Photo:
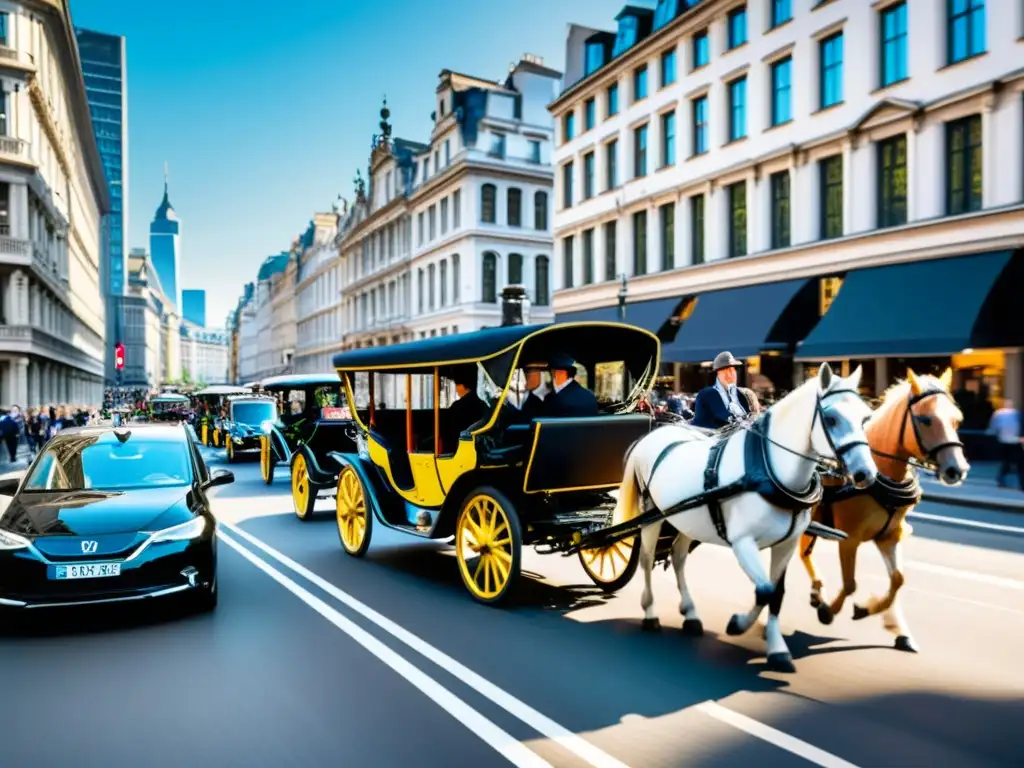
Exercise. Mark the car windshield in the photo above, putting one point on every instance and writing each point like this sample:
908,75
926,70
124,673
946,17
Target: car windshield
254,414
104,463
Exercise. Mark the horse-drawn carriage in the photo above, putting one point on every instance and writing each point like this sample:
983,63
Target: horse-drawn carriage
168,407
501,482
313,419
244,427
209,402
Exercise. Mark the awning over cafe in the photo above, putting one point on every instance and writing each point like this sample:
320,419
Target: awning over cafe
652,315
920,308
745,321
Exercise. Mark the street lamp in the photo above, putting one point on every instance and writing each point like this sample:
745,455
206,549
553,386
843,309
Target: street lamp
623,292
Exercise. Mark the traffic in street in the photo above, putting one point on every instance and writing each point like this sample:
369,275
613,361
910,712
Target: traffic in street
316,658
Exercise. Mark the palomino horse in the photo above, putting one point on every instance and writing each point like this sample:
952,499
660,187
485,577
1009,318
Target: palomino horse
759,483
917,421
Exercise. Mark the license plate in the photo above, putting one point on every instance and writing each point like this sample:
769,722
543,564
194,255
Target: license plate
87,571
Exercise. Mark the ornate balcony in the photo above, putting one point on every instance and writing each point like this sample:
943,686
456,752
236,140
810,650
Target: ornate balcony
14,150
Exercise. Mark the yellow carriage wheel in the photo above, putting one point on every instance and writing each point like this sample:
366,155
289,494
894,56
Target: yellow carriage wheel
303,495
266,460
611,568
488,545
230,445
355,521
216,438
206,434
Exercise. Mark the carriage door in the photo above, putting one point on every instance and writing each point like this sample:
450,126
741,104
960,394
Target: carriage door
422,439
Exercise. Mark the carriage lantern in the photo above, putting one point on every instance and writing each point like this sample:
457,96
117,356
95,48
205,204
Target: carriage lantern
514,305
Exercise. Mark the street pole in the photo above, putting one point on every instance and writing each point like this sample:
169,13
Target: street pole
623,292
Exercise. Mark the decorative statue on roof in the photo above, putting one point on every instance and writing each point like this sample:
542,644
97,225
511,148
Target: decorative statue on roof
360,186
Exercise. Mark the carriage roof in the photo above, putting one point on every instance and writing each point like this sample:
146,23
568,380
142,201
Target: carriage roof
299,381
170,398
220,389
584,340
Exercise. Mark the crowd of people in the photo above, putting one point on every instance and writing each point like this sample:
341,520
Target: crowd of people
35,426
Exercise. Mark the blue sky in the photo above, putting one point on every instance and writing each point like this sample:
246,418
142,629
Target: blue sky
264,111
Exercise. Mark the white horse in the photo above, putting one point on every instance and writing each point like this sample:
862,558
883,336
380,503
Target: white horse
821,420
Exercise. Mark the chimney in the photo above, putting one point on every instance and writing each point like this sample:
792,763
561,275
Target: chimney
515,307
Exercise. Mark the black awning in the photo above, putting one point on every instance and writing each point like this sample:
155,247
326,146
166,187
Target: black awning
746,321
652,315
933,307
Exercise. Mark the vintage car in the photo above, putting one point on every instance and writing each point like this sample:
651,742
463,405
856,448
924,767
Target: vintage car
504,480
248,418
313,418
209,402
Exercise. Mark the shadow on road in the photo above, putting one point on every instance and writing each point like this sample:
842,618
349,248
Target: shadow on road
93,620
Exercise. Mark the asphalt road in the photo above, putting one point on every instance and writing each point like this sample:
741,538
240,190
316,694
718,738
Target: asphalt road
314,658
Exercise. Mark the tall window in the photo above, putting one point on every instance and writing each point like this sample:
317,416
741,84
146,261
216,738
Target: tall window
431,290
782,11
456,279
4,28
443,285
542,296
640,151
515,269
515,206
567,185
737,27
588,175
697,228
611,164
831,50
963,165
612,95
431,218
456,209
610,265
738,109
966,35
667,214
780,209
737,219
893,23
444,227
420,285
700,125
588,256
4,102
567,258
421,233
568,126
831,197
668,67
640,243
488,194
589,114
640,83
701,50
782,91
892,181
668,139
540,210
489,279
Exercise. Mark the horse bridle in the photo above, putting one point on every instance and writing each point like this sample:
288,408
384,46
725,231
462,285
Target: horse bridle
930,461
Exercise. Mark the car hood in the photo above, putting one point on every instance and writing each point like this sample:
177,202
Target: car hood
93,513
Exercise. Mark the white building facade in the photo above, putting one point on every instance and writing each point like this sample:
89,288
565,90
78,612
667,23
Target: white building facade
709,147
318,296
204,354
53,196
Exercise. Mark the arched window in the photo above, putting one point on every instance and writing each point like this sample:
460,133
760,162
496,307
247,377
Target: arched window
515,207
540,210
488,195
515,269
490,278
456,279
541,292
430,284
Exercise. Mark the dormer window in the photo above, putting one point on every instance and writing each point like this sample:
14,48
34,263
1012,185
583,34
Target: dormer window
665,12
440,108
594,58
627,35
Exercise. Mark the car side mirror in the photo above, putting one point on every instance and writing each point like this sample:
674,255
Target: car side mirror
9,485
220,477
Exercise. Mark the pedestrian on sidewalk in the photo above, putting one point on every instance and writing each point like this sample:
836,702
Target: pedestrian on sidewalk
10,428
1005,425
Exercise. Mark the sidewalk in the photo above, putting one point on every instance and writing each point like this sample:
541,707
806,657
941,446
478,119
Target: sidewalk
979,490
22,462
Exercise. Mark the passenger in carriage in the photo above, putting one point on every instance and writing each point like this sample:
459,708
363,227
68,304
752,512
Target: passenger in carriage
464,412
532,406
723,402
569,398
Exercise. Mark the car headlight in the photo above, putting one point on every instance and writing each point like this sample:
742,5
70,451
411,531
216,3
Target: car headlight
10,540
193,529
267,426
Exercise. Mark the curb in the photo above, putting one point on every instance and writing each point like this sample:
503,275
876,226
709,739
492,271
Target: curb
983,502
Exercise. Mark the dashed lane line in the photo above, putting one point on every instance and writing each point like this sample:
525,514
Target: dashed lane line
502,742
946,520
519,709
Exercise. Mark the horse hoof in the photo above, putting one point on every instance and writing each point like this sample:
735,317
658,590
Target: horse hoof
734,627
824,614
693,628
650,625
781,662
859,612
815,601
904,643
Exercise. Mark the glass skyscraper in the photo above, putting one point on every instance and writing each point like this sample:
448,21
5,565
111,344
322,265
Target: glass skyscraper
104,67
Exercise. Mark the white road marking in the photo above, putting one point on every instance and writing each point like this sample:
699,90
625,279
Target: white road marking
967,523
504,743
776,738
519,709
956,573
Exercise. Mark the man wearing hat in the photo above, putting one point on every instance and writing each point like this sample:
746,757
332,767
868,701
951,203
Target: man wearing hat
568,397
724,402
532,406
464,412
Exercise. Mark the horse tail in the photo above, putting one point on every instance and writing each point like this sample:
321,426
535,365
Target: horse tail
628,505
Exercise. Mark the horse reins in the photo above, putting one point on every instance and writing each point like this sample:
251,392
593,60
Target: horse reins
929,463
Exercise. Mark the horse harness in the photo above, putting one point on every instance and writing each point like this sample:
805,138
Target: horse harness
931,453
